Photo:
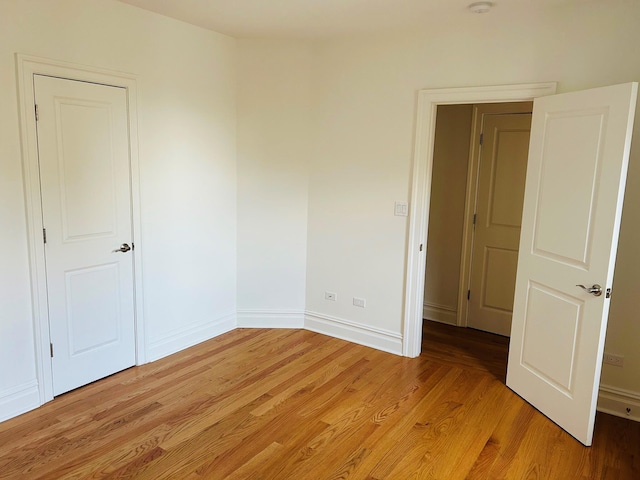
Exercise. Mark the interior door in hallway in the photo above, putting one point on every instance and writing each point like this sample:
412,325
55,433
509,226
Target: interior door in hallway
83,144
500,192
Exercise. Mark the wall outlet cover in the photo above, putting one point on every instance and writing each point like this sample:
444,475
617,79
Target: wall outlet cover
615,360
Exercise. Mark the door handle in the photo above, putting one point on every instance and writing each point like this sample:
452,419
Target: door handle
595,290
124,248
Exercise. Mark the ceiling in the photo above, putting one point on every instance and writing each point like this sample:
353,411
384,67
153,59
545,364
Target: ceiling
324,18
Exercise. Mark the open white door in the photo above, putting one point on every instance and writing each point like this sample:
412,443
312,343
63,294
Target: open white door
578,158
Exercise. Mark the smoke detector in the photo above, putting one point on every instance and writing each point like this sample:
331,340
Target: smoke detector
480,7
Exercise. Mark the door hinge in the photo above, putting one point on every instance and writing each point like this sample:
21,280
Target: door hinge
481,138
468,294
51,349
420,247
475,215
37,114
44,235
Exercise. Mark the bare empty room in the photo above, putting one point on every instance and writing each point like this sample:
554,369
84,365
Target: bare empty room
218,225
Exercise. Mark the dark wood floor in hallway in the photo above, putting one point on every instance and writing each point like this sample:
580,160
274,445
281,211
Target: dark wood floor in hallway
292,404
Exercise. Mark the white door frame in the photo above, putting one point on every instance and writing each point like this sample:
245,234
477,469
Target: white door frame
428,101
27,67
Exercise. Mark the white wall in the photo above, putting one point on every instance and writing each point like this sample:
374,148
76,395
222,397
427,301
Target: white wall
366,106
274,139
187,142
446,212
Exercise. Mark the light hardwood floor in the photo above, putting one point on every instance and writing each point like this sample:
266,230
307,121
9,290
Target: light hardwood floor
292,404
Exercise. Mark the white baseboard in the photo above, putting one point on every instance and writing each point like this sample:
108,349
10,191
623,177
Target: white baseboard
192,335
270,318
377,338
17,400
616,401
440,313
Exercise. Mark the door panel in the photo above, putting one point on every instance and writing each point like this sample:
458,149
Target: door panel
574,214
578,161
85,179
86,168
555,363
501,179
499,264
92,292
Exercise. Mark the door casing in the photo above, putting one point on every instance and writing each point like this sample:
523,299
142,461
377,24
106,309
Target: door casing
27,67
428,101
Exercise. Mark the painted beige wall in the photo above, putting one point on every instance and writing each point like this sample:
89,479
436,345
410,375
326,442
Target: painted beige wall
274,136
446,212
187,142
366,105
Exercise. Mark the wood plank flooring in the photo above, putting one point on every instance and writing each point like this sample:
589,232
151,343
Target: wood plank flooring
292,404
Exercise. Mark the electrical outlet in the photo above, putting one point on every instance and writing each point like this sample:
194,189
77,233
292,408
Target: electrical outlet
359,302
331,296
616,360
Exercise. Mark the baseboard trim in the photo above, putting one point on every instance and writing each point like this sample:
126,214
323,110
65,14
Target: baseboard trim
192,335
440,313
616,401
377,338
20,399
270,318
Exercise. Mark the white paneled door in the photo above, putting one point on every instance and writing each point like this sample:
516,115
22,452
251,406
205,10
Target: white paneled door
83,145
578,157
501,180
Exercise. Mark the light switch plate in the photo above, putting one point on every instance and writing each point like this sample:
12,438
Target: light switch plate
401,209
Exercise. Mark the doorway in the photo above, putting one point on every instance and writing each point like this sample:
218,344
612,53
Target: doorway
428,101
479,167
556,255
29,68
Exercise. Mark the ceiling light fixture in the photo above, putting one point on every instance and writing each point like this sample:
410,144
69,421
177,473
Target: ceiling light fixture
480,7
